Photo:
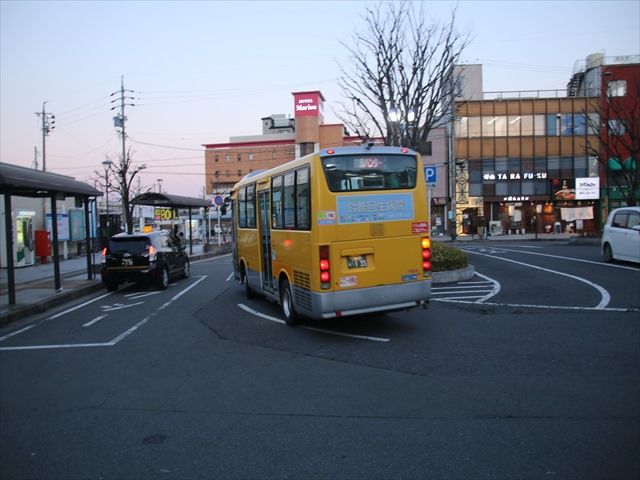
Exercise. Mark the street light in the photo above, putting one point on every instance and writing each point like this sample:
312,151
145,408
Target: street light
107,164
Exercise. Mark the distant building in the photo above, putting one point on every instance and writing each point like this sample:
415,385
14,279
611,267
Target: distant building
616,81
283,138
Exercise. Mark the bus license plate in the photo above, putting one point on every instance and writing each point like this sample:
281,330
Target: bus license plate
357,261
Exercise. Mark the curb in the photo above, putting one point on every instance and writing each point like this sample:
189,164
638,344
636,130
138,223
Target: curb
453,275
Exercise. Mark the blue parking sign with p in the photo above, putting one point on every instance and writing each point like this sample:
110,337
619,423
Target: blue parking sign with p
430,174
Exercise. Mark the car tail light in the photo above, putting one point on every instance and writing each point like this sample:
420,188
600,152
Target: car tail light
152,253
426,255
104,255
325,268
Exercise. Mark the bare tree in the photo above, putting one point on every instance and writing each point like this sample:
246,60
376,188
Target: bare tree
119,179
617,128
399,82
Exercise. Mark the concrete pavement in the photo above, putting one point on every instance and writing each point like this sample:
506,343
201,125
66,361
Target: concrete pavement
35,289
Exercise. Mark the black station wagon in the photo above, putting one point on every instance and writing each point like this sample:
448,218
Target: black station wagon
143,257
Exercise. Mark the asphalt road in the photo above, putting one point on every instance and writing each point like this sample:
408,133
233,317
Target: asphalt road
529,370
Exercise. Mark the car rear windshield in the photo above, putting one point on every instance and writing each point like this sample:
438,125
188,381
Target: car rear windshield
369,172
133,245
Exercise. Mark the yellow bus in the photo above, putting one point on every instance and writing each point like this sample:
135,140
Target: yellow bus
339,232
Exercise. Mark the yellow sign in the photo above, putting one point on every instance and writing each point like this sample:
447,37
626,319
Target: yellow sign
165,214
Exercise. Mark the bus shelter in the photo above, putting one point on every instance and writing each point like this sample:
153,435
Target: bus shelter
173,201
26,182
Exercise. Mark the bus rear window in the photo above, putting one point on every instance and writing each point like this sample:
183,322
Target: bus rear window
369,172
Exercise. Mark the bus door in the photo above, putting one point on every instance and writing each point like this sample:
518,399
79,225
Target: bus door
265,240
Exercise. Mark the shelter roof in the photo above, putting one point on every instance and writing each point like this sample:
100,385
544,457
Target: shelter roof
166,200
27,182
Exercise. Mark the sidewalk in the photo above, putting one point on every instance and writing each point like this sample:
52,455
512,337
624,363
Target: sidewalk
35,288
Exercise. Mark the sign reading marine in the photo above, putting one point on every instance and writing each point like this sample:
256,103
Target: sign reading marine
308,104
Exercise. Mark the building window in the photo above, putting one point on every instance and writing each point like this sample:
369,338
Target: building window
273,155
474,127
239,172
426,149
227,158
239,157
616,127
250,156
306,148
215,157
617,88
228,173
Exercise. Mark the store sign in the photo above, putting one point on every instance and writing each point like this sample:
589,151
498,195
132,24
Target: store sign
515,176
307,104
588,188
515,198
563,189
164,214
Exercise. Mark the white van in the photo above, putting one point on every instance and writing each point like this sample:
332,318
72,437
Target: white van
621,235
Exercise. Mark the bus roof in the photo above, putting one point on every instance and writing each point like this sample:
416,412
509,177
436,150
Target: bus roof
365,149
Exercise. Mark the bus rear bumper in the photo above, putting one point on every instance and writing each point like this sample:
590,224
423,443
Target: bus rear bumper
368,300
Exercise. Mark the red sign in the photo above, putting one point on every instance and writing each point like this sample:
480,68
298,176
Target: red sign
419,227
308,104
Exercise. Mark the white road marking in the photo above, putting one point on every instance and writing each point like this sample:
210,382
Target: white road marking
111,343
119,306
605,297
602,264
494,291
229,277
313,329
94,321
17,332
79,306
136,296
547,307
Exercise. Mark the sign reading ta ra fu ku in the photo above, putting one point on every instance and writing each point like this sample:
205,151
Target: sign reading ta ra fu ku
308,104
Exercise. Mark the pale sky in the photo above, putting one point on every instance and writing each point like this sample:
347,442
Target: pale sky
204,71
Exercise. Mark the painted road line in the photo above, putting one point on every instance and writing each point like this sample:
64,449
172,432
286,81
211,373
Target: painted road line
546,307
494,291
605,297
313,329
79,306
230,277
119,306
111,343
136,296
94,321
602,264
17,332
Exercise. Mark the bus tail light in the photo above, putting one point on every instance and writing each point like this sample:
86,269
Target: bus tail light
426,255
325,268
104,255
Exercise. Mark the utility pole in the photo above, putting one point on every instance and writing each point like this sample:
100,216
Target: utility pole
48,124
120,120
121,102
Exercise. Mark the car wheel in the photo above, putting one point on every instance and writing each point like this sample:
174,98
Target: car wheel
163,281
286,301
112,286
186,270
607,253
249,293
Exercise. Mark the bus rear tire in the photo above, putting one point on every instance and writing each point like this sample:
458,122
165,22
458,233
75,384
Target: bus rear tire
286,301
245,281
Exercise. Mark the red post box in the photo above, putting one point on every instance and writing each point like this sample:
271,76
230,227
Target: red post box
43,245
